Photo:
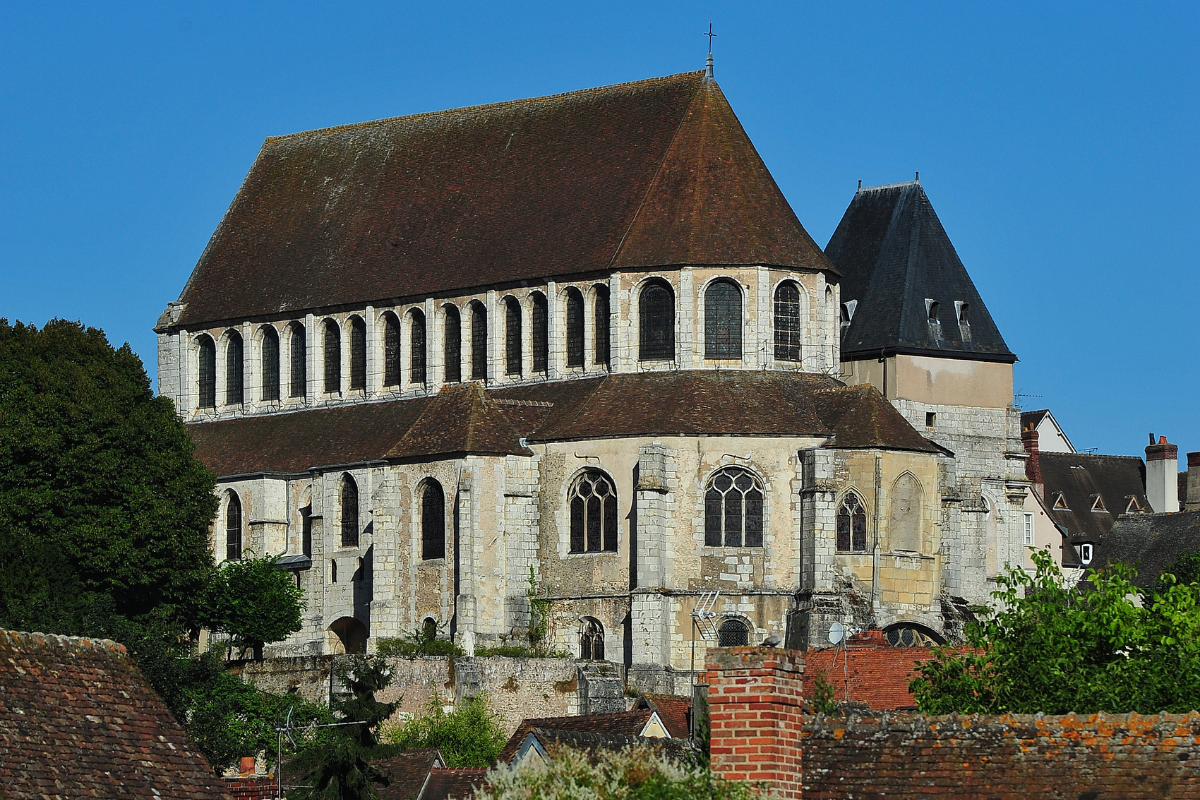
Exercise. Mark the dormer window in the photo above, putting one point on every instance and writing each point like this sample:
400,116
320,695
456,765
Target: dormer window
1060,502
932,307
1133,506
1085,554
1098,503
961,310
848,311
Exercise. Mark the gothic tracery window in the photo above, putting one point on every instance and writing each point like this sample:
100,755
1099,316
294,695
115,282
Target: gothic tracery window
574,328
851,525
358,354
479,342
270,364
723,320
540,320
233,527
512,336
433,520
333,357
298,359
391,350
733,509
452,344
416,344
600,328
787,322
349,512
206,368
593,505
656,323
233,370
591,639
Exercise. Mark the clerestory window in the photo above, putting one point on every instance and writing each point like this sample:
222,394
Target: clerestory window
206,368
656,323
723,320
787,322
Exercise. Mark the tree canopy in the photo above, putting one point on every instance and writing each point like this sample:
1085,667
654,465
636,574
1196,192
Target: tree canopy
469,736
101,501
253,602
1050,647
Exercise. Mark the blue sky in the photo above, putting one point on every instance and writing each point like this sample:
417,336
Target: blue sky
1058,145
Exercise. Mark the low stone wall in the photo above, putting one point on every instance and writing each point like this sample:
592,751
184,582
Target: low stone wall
308,676
521,688
1013,757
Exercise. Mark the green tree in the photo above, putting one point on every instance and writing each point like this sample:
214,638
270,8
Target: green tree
339,768
1054,648
633,774
1186,569
100,497
254,602
469,736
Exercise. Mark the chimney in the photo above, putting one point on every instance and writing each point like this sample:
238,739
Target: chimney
1033,467
1192,502
1162,475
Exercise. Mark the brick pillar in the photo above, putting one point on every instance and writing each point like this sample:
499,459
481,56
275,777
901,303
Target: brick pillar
755,714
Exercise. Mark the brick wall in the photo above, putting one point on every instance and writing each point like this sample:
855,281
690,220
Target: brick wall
759,734
754,701
253,787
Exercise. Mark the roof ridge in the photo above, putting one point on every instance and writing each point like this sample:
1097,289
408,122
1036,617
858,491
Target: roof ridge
39,639
477,107
882,186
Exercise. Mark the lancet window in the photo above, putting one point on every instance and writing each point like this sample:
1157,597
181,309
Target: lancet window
298,359
270,364
479,342
433,520
591,639
574,328
452,344
851,525
787,322
233,370
593,502
333,357
349,512
512,336
233,527
391,350
601,327
358,354
723,320
733,509
656,323
416,344
540,319
206,363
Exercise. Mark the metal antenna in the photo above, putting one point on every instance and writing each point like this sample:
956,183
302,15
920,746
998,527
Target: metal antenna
708,66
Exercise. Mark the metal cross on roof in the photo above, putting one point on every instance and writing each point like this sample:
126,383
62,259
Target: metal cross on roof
710,36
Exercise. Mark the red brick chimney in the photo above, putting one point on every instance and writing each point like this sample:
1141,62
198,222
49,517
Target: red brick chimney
755,712
1033,466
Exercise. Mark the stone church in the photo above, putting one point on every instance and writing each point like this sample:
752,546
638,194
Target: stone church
581,347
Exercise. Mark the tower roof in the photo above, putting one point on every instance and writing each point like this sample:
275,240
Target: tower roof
653,173
896,260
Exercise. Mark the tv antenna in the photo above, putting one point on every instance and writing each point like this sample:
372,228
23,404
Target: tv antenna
839,635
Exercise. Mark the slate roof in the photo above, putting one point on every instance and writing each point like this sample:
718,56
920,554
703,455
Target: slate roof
453,783
408,772
597,744
653,173
491,421
1149,542
1081,478
77,719
893,255
619,723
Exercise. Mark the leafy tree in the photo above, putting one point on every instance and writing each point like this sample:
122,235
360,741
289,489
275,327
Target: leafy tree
339,768
469,736
1053,648
253,602
1186,569
100,497
633,774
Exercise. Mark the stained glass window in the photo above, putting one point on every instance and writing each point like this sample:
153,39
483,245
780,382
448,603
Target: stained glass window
270,364
574,328
206,362
233,370
416,344
433,520
479,342
723,320
601,326
512,336
593,513
852,525
541,332
358,353
733,509
349,512
233,528
787,322
333,357
656,318
298,358
391,350
452,345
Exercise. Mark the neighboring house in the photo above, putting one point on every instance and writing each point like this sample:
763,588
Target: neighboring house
77,719
584,340
599,733
423,775
1051,438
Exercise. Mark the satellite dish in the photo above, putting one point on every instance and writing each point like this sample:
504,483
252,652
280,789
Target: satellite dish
837,632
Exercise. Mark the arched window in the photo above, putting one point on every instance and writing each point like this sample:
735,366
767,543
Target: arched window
270,364
452,344
723,320
851,525
416,345
233,527
733,633
656,323
433,520
541,332
733,509
600,329
512,336
206,363
911,635
333,570
574,328
391,350
787,322
298,358
479,342
306,528
333,357
593,503
358,354
591,639
233,370
349,512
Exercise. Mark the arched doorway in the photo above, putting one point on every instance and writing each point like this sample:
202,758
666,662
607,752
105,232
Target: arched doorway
348,636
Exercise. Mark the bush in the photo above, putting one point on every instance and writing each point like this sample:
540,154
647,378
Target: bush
633,774
423,641
469,736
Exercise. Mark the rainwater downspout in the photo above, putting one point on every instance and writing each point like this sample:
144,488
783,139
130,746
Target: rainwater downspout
875,547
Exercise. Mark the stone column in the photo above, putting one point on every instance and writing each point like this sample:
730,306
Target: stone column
755,713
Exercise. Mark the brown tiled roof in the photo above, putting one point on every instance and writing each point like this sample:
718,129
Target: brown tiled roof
673,710
461,419
473,420
78,720
454,783
408,772
656,172
623,723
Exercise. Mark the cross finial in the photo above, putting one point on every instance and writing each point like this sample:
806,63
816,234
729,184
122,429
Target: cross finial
708,67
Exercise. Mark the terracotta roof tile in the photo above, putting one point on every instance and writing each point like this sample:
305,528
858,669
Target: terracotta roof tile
408,772
673,710
454,783
653,172
861,417
461,419
78,720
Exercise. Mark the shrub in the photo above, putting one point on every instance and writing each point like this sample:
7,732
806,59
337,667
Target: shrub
423,641
469,736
